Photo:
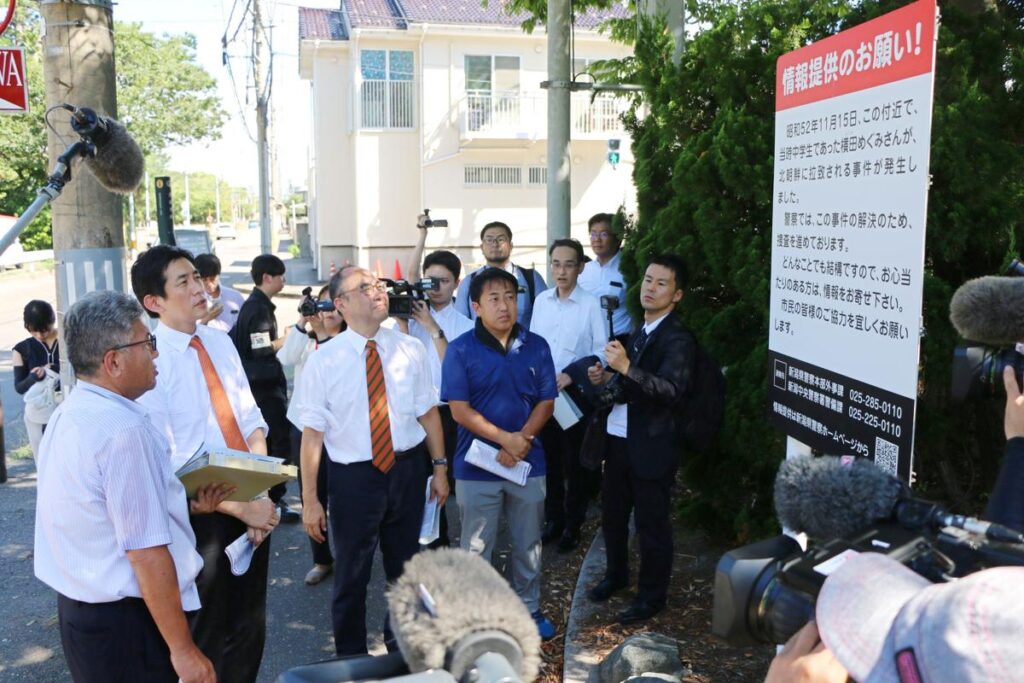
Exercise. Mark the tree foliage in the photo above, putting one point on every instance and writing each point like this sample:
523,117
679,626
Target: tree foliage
164,98
704,155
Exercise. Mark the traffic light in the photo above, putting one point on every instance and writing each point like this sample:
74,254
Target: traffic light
613,152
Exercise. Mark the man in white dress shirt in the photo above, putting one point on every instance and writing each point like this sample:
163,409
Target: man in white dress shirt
223,302
434,323
202,398
112,532
601,276
369,397
569,318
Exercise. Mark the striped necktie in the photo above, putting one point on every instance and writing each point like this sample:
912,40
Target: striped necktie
380,424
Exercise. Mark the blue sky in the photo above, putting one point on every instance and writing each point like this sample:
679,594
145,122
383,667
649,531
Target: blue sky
234,155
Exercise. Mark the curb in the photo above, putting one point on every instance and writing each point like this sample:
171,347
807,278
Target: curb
578,662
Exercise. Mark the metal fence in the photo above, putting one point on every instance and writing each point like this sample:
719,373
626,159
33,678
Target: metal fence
388,104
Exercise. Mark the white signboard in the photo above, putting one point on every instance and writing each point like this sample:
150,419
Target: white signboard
852,141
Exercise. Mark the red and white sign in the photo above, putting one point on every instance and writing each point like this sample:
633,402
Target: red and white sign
13,81
849,205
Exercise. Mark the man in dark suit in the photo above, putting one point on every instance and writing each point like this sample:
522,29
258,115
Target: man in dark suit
643,439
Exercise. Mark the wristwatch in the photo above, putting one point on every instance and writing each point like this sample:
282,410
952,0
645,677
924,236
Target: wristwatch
439,334
440,462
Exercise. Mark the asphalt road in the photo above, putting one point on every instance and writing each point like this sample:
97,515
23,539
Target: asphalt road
298,618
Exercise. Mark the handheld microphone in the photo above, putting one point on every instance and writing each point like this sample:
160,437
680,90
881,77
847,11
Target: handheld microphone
450,607
989,310
118,163
834,497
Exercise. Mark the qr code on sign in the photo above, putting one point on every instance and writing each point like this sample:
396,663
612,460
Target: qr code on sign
886,455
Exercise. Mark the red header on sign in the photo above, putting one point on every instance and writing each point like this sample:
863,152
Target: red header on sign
894,46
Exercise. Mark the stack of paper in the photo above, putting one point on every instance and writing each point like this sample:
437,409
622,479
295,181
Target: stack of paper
485,457
430,527
249,473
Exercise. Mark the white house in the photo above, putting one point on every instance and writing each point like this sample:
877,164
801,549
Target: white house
438,104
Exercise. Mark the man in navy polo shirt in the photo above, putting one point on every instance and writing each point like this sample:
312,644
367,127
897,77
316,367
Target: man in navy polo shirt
500,383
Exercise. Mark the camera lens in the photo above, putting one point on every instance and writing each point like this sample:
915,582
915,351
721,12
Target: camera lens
978,370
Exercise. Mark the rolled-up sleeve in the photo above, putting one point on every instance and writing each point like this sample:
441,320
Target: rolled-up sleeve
134,481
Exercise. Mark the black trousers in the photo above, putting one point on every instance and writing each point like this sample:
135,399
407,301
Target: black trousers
321,551
279,444
570,486
231,627
450,430
623,492
369,508
115,642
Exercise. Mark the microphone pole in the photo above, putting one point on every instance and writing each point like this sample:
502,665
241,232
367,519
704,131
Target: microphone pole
60,176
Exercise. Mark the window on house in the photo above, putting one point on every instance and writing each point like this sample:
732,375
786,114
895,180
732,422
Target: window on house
388,88
492,91
491,175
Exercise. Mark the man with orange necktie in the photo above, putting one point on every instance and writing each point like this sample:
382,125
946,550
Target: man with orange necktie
202,398
370,398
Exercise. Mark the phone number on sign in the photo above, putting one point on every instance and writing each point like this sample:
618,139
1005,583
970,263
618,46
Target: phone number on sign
876,404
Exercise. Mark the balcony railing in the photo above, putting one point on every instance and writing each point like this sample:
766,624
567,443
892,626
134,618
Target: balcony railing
516,115
388,104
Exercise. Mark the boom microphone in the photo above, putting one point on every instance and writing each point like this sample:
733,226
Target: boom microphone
450,607
118,164
989,310
835,497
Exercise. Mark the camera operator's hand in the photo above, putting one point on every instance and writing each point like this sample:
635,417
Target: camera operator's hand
598,375
421,221
421,314
804,659
618,359
1013,422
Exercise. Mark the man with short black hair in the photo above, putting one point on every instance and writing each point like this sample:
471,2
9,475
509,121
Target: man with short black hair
569,319
496,244
642,449
255,337
602,276
202,398
500,383
225,302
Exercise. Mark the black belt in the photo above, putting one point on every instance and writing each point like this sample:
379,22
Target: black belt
418,449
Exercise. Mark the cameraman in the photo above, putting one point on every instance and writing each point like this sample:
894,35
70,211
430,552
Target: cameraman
880,621
1006,506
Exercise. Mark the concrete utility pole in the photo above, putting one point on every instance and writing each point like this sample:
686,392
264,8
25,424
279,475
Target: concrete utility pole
674,14
78,67
559,85
261,59
216,194
186,208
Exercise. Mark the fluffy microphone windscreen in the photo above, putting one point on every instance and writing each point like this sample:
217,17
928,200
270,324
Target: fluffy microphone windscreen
989,310
470,596
118,165
832,497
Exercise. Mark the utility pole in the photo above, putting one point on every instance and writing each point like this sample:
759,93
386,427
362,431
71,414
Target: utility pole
186,208
260,63
673,12
145,193
88,235
216,194
559,90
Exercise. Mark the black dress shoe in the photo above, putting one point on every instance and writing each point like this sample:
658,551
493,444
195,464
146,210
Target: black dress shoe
604,590
552,531
639,611
289,516
569,540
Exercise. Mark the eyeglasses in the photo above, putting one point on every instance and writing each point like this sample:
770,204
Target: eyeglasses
150,339
604,234
367,288
496,240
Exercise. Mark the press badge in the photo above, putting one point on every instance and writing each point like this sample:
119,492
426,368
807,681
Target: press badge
259,340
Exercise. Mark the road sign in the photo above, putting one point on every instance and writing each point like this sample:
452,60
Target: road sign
13,81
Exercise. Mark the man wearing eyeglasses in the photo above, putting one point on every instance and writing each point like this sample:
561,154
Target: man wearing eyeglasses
369,398
112,533
601,276
496,244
